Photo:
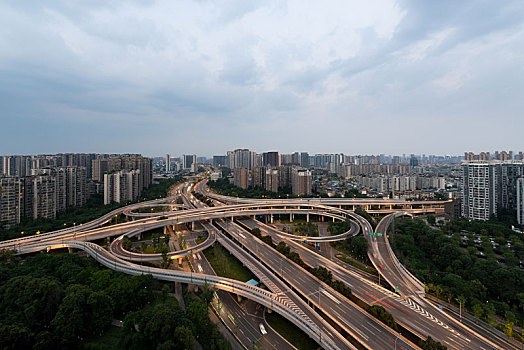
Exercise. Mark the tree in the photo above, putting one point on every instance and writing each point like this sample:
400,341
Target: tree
184,338
430,344
164,292
383,315
256,232
359,247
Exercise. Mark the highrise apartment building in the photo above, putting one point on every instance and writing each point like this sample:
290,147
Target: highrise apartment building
271,180
241,177
102,166
121,186
301,182
271,159
11,203
520,200
168,163
258,175
488,186
241,158
43,192
304,160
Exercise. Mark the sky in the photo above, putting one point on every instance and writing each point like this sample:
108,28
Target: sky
204,77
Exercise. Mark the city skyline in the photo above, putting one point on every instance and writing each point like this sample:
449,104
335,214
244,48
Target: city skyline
361,77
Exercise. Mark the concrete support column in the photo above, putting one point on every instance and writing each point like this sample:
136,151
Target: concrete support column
271,218
69,250
307,217
165,230
239,298
192,226
291,217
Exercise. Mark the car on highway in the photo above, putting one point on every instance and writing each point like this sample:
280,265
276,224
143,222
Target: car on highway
262,329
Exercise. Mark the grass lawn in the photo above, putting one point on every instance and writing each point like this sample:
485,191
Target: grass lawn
226,265
109,340
290,332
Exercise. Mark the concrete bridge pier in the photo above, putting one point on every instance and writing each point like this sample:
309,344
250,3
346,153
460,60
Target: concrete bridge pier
239,298
69,250
307,217
271,218
192,226
291,217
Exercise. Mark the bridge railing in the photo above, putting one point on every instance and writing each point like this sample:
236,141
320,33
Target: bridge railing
261,296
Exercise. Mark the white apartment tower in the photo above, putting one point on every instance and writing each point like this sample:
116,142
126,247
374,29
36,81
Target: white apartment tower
121,186
520,200
479,195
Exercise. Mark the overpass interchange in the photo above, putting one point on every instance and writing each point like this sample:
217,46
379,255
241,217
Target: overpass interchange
65,238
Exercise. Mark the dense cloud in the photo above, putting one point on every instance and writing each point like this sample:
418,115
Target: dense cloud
204,77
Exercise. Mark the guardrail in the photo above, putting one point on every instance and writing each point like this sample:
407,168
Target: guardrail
407,273
81,227
138,257
261,296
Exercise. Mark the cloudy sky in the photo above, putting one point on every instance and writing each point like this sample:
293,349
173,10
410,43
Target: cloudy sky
358,77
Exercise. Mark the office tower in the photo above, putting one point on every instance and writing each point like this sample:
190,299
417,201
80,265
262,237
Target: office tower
271,159
301,183
121,186
188,160
168,163
271,180
241,177
10,201
219,161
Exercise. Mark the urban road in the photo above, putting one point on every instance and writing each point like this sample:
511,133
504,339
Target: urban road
410,308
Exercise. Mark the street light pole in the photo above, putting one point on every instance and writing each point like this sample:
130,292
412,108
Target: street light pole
398,335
